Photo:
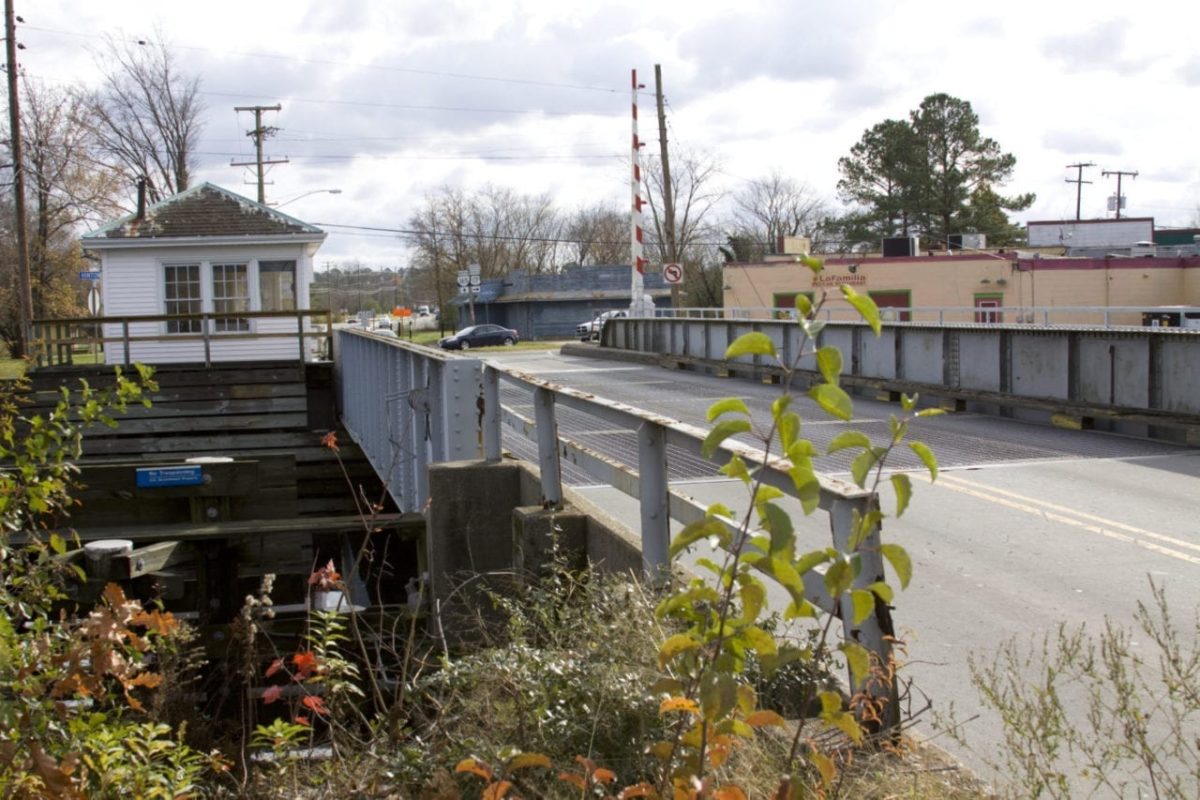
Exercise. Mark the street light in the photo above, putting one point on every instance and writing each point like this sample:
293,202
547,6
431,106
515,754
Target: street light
306,194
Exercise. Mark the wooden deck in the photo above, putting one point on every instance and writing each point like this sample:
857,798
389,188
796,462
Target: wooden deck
271,497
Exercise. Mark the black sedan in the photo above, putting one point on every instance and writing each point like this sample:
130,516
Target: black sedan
479,336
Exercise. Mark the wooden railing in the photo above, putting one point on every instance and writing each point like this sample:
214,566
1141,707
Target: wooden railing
74,340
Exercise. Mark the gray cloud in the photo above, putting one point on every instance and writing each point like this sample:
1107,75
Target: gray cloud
1076,143
1190,72
1098,47
788,42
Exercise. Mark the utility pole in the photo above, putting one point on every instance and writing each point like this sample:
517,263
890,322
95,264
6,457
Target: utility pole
24,290
259,133
1079,182
1118,173
668,187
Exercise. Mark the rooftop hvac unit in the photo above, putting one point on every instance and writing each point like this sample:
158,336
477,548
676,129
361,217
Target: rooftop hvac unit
966,241
901,246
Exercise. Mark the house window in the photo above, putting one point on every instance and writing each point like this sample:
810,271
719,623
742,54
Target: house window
181,291
277,285
231,293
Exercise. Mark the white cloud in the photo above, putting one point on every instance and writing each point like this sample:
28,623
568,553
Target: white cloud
389,100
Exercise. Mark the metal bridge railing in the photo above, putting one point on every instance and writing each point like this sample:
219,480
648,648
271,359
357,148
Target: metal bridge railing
1037,316
409,406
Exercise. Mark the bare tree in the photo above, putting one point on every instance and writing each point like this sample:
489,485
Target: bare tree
65,188
775,205
695,193
147,116
597,235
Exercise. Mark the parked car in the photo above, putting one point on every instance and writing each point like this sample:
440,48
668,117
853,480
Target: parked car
479,336
591,330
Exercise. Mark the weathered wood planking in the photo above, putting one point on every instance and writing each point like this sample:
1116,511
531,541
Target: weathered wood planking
262,488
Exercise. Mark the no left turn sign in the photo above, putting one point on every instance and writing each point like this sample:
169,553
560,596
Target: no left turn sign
672,273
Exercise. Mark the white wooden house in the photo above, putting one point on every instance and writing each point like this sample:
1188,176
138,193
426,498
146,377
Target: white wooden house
205,250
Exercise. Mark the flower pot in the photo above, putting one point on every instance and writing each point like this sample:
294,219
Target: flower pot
328,600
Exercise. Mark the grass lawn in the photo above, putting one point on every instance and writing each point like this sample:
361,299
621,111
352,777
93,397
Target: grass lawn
11,368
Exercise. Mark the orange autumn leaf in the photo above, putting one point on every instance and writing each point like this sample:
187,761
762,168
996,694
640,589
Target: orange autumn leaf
574,779
315,704
271,694
161,622
642,789
475,767
330,440
602,775
305,663
148,679
496,791
275,666
300,719
766,717
678,704
729,793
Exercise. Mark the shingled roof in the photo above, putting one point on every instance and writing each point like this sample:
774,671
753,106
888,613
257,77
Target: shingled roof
205,210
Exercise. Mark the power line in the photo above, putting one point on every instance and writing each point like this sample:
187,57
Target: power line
407,106
370,104
334,63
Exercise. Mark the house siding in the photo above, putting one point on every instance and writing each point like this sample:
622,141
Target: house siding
132,285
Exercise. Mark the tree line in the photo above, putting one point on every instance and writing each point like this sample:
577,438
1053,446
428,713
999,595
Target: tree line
931,174
84,150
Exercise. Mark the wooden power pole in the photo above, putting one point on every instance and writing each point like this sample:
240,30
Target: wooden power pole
1079,182
668,187
24,289
259,132
1119,173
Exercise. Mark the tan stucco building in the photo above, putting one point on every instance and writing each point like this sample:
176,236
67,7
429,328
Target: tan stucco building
1023,285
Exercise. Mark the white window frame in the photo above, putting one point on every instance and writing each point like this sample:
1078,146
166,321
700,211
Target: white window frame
229,322
183,327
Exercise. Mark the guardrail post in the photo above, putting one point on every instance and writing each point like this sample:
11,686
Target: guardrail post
547,434
491,414
655,506
875,632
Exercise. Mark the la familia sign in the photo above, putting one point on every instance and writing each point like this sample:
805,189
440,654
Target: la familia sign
827,281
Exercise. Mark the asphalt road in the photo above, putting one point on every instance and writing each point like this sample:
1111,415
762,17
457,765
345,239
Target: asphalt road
1028,526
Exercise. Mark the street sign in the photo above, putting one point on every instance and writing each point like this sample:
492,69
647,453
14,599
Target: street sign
475,289
165,477
474,269
475,281
464,277
464,289
672,273
90,275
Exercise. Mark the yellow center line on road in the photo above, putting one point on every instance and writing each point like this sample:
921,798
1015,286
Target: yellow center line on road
1077,519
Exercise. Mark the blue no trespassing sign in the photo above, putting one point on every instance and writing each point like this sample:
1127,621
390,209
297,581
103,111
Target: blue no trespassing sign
92,275
162,477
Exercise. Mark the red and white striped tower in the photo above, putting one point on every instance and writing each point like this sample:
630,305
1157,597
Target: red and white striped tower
635,217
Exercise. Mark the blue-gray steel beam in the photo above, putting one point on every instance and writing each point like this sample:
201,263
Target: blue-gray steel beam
655,510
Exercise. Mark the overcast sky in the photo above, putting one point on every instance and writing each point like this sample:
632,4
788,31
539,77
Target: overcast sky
390,100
